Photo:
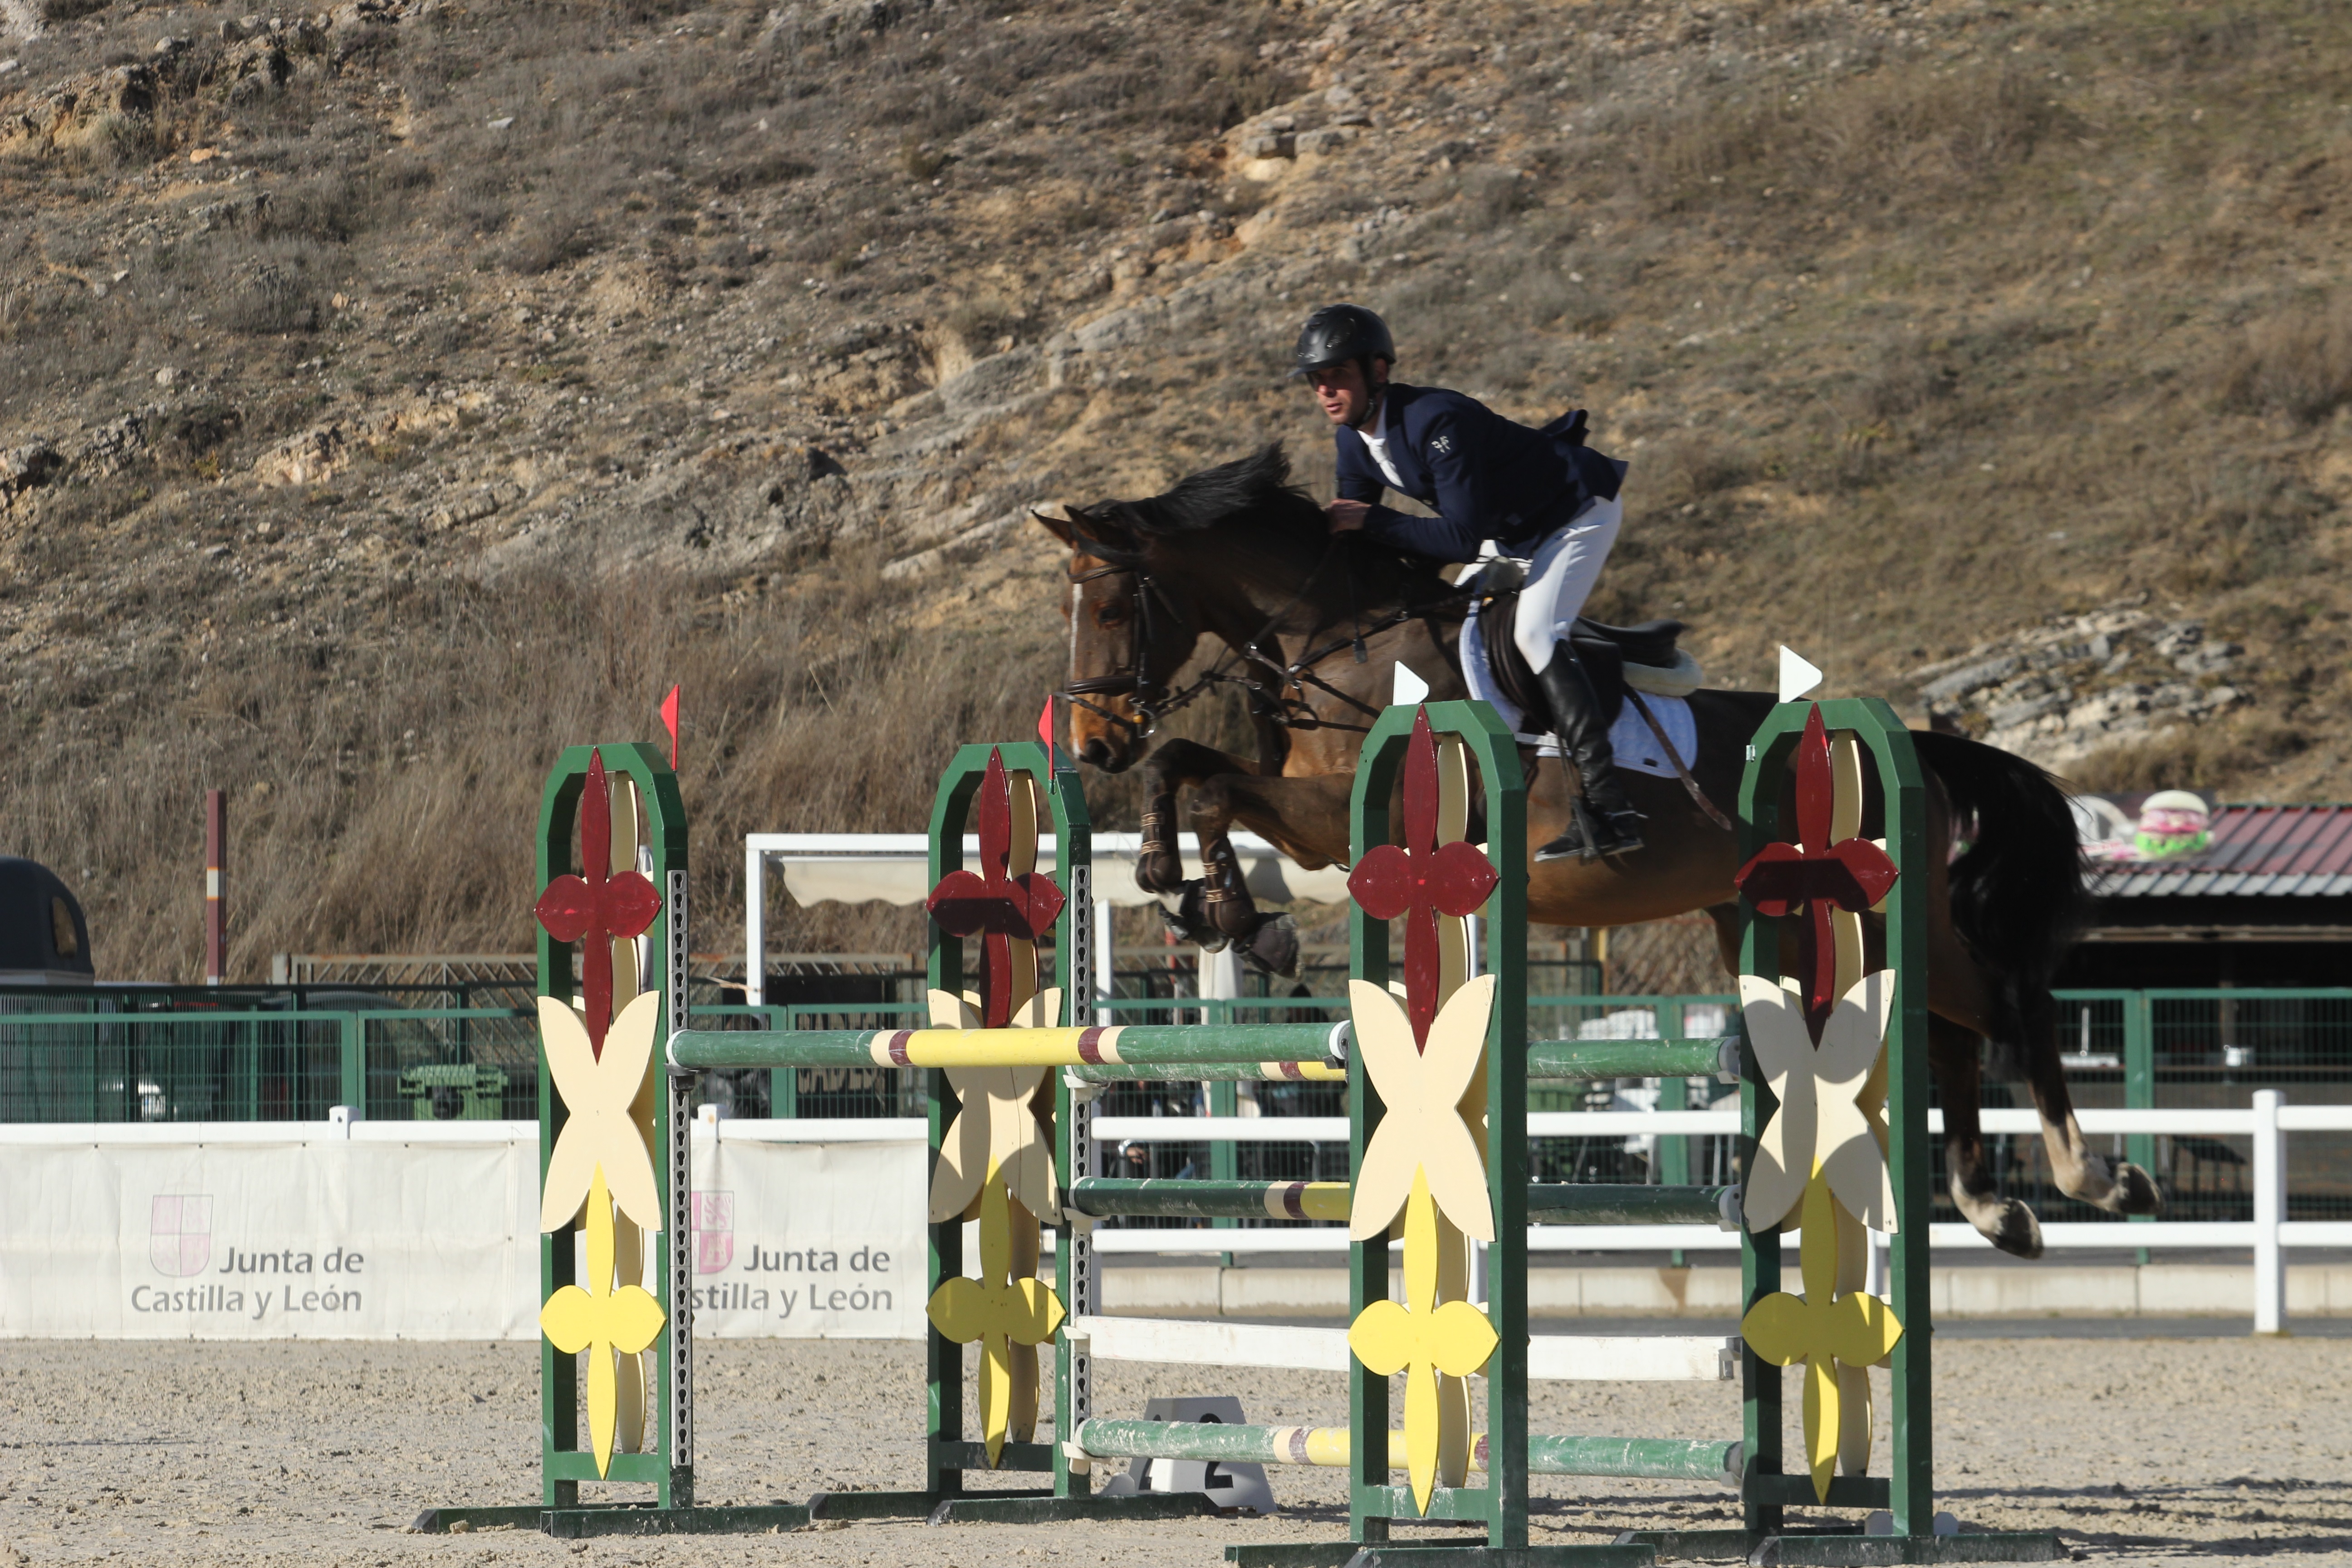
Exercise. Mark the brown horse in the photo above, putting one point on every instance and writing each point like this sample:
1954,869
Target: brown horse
1313,628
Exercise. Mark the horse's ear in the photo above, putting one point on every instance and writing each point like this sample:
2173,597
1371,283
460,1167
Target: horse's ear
1055,519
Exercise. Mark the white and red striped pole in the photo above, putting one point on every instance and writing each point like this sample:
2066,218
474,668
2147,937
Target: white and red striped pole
215,888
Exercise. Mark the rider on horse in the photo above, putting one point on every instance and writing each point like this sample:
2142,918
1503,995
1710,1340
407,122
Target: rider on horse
1540,494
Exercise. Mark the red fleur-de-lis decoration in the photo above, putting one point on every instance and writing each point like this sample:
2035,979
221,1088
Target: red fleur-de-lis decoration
1420,881
599,907
1815,875
992,902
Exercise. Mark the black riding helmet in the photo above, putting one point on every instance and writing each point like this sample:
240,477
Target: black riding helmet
1335,334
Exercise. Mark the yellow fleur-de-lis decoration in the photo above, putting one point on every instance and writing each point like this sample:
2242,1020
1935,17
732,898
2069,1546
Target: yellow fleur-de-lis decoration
1422,1339
1822,1329
602,1321
601,1138
1819,1126
1005,1311
1421,1139
995,1131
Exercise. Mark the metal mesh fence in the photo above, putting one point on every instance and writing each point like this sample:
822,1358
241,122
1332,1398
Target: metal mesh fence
227,1065
289,1053
2188,1050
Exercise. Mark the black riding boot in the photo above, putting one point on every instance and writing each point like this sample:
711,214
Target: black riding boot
1604,823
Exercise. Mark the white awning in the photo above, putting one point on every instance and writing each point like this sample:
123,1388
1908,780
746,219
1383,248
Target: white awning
893,868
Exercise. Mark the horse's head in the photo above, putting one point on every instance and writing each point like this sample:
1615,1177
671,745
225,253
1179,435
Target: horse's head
1231,550
1131,632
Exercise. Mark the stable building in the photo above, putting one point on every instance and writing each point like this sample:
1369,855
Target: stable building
2264,901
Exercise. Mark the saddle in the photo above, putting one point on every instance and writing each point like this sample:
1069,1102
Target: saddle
1644,657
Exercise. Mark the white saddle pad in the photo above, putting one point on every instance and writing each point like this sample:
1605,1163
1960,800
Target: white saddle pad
1636,747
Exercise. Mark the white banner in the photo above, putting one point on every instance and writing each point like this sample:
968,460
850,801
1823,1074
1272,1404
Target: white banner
394,1231
311,1237
808,1240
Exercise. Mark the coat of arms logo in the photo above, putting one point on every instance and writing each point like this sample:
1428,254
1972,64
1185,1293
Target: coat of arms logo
714,1231
180,1233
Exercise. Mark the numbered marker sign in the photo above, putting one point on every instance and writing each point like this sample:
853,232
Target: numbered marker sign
1226,1484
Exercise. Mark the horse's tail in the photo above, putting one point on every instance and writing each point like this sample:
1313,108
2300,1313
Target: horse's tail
2019,897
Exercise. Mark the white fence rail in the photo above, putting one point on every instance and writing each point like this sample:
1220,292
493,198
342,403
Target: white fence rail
2267,1121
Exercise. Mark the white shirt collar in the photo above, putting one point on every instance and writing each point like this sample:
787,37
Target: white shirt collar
1376,442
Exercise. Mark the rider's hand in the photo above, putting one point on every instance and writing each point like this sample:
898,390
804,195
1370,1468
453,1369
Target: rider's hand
1348,516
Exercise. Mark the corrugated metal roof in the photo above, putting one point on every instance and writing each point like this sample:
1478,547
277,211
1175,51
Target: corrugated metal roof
2257,851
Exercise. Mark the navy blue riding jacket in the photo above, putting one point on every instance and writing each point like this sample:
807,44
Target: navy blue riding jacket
1485,475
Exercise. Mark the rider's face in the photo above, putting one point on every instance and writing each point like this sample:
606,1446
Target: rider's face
1342,392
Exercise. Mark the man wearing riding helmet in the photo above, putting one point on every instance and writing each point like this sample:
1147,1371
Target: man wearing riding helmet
1540,494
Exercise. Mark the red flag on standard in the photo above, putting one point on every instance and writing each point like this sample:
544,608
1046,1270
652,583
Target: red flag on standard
669,720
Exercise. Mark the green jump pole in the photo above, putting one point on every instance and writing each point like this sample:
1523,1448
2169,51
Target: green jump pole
1555,1059
1548,1061
1101,1197
1551,1203
1213,1072
1635,1458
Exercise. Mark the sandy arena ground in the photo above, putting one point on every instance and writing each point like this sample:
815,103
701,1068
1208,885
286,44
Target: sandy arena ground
2137,1450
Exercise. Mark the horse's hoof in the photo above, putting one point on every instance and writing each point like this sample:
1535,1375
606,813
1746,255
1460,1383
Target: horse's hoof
1187,922
1234,913
2137,1192
1273,948
2016,1231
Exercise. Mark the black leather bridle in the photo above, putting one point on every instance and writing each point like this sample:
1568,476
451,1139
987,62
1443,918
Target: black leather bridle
1137,681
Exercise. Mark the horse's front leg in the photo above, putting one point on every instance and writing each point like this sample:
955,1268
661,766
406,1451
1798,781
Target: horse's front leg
1306,819
1172,764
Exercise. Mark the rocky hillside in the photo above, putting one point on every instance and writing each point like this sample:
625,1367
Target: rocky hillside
2081,687
390,394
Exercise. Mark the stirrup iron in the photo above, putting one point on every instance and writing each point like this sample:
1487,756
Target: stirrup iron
1584,841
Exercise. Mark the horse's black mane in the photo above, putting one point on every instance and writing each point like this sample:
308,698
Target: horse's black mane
1258,487
1259,484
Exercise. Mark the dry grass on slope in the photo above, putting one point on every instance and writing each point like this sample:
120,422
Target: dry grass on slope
473,274
1978,315
384,801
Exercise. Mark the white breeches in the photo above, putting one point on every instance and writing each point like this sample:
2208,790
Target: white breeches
1560,578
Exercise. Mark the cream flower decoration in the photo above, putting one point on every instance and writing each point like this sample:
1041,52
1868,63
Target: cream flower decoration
1421,1129
1817,1126
598,1129
995,1130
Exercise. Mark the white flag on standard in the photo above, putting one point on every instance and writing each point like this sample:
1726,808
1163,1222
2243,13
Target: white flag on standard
1797,674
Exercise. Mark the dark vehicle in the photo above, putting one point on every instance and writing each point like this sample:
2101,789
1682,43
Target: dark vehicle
44,941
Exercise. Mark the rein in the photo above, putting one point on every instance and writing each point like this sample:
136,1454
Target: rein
1270,703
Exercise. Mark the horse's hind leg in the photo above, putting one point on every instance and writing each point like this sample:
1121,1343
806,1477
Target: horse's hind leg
1726,917
2007,1222
2112,1185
